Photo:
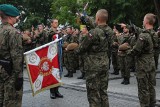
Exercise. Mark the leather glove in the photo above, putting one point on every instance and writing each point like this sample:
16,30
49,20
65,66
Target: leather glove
18,83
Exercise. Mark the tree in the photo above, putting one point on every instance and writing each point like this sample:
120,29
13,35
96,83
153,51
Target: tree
122,10
65,11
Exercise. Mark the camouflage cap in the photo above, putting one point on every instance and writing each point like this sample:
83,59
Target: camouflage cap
9,10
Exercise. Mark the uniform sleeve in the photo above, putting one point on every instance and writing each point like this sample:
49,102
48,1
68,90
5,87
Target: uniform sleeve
137,49
155,40
86,43
110,37
50,35
16,51
74,38
91,23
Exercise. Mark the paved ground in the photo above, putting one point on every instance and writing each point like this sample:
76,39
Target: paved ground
74,91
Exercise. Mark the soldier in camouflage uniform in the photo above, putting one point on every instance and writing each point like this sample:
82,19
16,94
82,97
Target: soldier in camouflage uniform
11,58
108,33
42,36
132,41
145,64
54,92
95,46
69,56
114,50
82,36
158,48
124,59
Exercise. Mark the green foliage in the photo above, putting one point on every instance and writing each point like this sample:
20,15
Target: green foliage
65,11
38,11
122,10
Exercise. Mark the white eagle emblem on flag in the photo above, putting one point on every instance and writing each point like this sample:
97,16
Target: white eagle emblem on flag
43,68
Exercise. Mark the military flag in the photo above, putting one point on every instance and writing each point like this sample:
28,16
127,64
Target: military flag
43,67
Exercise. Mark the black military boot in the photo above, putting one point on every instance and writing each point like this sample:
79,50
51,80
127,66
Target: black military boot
52,96
126,82
74,71
52,93
82,76
123,81
132,69
66,74
70,74
116,72
57,94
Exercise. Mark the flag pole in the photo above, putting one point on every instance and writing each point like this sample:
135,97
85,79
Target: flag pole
43,46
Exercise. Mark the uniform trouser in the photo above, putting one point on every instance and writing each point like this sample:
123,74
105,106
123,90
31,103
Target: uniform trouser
146,90
69,61
124,66
81,64
115,61
19,95
53,90
156,57
131,62
7,89
97,89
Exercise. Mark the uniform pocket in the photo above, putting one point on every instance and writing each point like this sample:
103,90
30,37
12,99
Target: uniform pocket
3,74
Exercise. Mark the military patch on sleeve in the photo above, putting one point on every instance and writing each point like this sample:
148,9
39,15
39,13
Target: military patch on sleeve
90,35
141,39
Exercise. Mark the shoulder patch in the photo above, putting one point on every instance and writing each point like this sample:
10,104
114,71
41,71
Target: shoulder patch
90,35
141,39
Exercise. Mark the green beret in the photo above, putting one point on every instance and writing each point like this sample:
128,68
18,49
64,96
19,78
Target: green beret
9,10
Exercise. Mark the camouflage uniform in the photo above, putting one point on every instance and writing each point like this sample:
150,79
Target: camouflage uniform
95,45
55,90
10,49
69,57
51,32
81,57
124,60
132,42
145,67
109,35
115,55
42,38
156,47
158,50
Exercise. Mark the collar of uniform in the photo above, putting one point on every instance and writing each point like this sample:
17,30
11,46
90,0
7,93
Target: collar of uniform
102,25
6,23
147,30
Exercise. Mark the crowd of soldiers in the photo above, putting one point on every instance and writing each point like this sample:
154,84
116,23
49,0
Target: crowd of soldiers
92,51
41,35
120,46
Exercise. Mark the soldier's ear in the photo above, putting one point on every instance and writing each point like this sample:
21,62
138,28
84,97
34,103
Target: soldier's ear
98,19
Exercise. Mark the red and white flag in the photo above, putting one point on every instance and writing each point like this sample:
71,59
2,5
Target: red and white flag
43,68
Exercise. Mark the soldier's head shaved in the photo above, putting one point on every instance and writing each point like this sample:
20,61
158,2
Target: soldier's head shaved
151,18
102,15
